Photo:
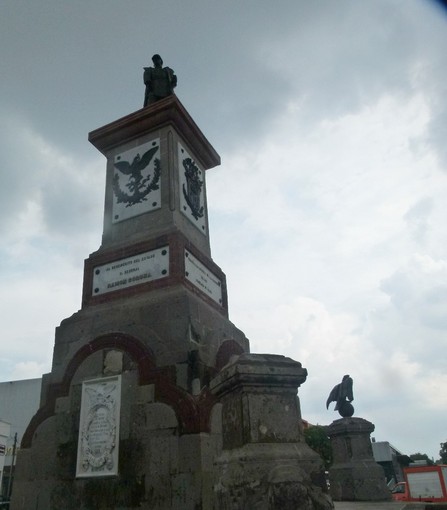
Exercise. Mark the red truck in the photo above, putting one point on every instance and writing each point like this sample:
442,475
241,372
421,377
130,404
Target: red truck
422,483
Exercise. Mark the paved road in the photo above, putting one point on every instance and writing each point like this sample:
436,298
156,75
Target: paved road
357,505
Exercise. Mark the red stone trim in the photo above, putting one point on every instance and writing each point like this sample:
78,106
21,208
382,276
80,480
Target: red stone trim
177,243
168,111
193,413
226,350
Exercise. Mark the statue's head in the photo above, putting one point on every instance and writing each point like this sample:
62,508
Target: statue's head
157,60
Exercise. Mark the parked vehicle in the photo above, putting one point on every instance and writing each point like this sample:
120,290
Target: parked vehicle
422,483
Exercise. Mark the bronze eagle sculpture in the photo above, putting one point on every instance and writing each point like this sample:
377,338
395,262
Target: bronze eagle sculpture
343,396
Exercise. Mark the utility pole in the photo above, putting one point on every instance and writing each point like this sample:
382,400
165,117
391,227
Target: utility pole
11,469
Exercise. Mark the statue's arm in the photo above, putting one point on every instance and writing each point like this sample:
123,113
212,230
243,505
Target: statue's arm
147,75
172,77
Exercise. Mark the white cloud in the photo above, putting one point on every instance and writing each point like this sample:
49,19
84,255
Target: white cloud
28,370
343,224
419,292
328,213
53,196
51,220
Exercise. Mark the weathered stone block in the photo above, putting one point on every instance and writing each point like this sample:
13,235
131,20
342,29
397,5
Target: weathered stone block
354,475
160,417
145,394
265,463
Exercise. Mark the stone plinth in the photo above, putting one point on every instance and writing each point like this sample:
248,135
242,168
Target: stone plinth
265,462
354,475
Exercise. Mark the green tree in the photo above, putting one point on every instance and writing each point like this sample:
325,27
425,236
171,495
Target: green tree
318,440
443,453
421,456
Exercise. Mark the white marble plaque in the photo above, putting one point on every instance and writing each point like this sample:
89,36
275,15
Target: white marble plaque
192,189
203,278
123,273
136,181
98,442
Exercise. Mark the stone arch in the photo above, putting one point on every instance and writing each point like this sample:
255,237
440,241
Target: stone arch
226,350
193,412
142,355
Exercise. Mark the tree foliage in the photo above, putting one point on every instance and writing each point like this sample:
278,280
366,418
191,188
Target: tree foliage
443,453
422,456
318,440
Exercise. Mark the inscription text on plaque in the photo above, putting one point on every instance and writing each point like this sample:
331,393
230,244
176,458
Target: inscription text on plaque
130,271
200,276
98,441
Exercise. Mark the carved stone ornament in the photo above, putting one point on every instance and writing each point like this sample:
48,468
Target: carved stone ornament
192,200
136,181
193,188
99,427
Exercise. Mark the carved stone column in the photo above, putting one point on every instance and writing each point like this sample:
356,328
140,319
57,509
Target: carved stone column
354,475
265,462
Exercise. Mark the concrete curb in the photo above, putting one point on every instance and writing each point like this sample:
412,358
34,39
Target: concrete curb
387,505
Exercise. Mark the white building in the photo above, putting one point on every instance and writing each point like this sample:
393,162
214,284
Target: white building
5,432
19,401
391,459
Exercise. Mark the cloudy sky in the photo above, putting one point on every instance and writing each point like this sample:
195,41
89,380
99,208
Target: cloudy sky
328,213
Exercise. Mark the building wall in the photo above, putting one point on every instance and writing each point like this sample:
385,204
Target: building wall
391,459
19,401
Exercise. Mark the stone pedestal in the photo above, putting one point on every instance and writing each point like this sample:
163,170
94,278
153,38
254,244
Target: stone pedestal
354,475
265,462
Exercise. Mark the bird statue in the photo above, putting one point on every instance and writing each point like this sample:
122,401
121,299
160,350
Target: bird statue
343,396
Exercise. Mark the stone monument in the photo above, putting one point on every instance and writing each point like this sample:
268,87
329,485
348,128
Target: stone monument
153,400
354,474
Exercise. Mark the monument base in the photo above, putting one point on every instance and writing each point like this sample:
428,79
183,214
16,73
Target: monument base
265,462
271,477
354,475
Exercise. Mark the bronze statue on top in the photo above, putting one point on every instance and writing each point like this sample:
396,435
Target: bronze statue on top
160,81
343,396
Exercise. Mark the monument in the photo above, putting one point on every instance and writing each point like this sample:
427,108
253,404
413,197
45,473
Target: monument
354,474
154,400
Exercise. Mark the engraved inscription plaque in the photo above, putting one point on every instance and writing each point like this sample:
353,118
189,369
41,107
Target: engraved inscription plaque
123,273
203,278
98,441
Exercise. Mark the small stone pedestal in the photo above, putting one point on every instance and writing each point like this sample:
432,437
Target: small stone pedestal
354,475
265,463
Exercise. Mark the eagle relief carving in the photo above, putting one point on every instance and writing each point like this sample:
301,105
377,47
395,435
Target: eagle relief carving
136,181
